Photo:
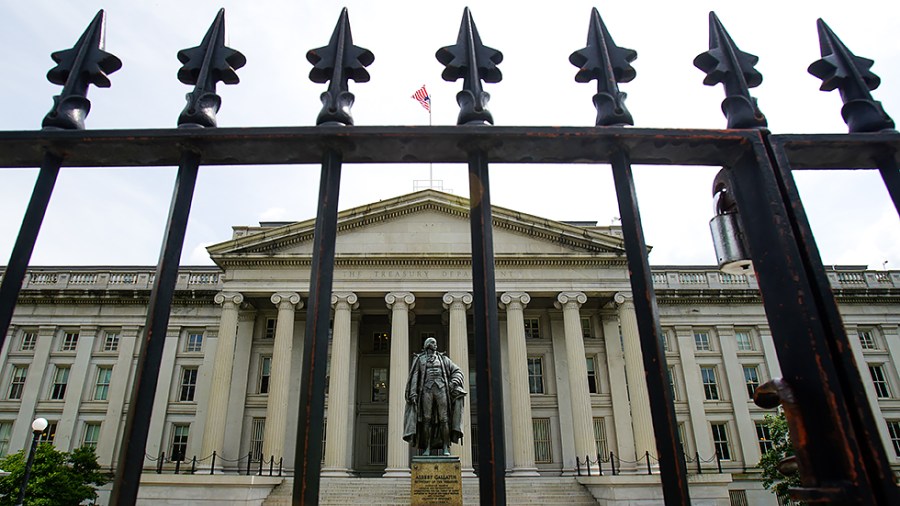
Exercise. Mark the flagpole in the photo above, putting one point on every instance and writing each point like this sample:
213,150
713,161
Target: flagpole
430,164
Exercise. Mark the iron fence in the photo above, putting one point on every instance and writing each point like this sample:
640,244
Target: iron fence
840,459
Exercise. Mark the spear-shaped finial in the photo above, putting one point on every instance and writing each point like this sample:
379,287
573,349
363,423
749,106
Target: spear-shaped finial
472,61
725,63
77,68
609,64
338,62
840,69
204,66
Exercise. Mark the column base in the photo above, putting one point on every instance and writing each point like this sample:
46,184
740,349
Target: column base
468,472
520,472
335,472
396,472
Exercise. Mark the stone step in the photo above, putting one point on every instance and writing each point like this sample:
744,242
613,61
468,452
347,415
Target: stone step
395,491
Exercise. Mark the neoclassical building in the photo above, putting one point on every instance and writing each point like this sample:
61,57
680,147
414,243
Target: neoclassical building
572,370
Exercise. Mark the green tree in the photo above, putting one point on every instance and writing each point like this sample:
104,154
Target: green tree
57,478
781,448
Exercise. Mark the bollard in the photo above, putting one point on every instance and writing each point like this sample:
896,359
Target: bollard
194,464
647,456
578,465
177,466
159,462
699,469
599,465
587,463
271,463
249,461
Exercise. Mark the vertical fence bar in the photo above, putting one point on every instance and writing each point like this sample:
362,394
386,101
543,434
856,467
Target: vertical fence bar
146,374
491,451
665,426
812,393
315,348
881,477
14,274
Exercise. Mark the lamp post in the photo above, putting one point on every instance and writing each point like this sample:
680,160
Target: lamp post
37,427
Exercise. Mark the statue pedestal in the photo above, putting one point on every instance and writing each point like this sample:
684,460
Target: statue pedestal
435,480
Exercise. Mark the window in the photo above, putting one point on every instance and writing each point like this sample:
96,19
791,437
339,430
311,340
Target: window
751,377
49,434
270,328
188,384
5,433
592,376
111,341
665,340
742,338
377,444
257,431
586,328
867,339
381,341
17,381
69,342
672,385
543,451
194,343
60,381
880,381
737,498
600,437
91,435
379,384
532,328
710,388
765,437
535,375
29,339
265,374
101,389
474,438
894,430
180,433
720,440
701,341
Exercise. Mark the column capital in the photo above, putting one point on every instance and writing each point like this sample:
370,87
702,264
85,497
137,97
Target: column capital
622,298
402,298
229,297
343,299
453,300
570,299
514,300
282,299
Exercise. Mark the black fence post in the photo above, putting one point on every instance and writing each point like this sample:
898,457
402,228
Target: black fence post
212,466
249,462
271,463
194,465
719,462
647,456
587,463
177,466
612,463
578,465
159,462
261,460
699,469
280,462
599,465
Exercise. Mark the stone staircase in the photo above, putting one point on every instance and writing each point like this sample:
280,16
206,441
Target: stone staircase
395,492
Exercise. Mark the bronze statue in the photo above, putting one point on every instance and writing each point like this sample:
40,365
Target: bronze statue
435,396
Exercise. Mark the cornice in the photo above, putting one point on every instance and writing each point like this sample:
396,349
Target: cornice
249,260
113,298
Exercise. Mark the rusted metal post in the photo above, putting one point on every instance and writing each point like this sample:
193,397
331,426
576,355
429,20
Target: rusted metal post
491,450
315,344
146,374
665,426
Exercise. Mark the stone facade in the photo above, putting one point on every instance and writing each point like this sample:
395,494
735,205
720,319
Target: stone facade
572,371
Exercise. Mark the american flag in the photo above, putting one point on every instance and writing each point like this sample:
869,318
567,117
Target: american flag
423,97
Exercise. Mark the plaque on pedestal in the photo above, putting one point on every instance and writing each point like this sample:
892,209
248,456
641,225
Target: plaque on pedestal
435,480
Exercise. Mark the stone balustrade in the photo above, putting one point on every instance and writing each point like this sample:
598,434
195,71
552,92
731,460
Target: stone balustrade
693,278
140,278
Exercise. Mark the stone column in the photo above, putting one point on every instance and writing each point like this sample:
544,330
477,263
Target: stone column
615,363
457,303
641,420
119,387
67,429
582,418
280,379
21,433
519,396
338,427
400,303
740,400
214,432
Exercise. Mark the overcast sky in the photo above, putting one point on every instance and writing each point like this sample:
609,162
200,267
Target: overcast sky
114,216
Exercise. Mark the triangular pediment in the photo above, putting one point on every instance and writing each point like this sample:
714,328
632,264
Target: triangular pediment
425,223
